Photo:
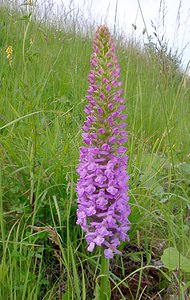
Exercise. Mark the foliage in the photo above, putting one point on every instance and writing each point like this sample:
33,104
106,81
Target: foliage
42,95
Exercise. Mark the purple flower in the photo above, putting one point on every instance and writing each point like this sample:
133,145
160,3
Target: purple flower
102,186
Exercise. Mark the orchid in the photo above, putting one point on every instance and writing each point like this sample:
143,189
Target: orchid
102,186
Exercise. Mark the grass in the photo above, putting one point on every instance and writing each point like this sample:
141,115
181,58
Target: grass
42,94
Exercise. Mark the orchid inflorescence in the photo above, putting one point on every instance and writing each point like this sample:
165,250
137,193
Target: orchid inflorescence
102,187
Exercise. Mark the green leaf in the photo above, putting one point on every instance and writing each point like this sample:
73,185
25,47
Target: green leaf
174,260
150,183
97,292
152,162
186,286
66,296
98,295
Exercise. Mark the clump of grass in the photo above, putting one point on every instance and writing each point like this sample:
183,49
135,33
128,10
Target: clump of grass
42,102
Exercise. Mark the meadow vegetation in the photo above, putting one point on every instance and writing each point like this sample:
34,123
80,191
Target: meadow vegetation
43,84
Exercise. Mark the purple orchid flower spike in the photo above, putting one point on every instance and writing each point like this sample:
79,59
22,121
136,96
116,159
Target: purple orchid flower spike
102,187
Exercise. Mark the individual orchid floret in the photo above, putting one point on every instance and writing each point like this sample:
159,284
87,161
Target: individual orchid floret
102,187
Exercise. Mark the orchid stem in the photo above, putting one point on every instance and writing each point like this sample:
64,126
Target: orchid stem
105,292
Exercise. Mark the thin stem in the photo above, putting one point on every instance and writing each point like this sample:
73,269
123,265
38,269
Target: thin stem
105,293
1,211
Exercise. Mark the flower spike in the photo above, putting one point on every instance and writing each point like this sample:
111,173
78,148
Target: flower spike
102,187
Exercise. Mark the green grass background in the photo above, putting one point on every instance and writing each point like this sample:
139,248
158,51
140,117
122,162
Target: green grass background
42,97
